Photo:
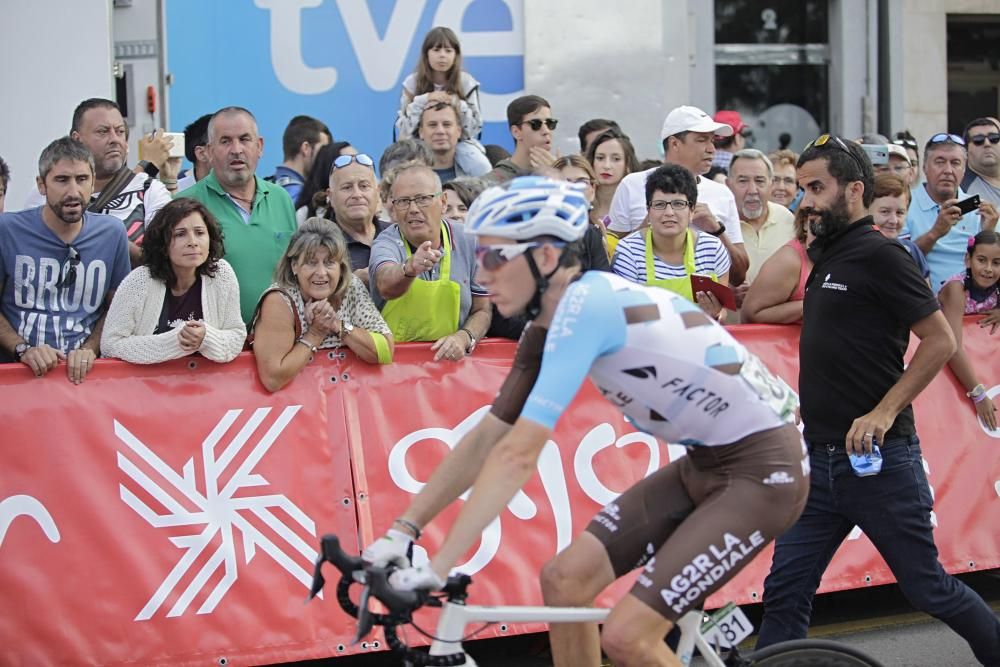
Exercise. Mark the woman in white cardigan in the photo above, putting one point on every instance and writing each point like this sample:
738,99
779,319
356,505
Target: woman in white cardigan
183,299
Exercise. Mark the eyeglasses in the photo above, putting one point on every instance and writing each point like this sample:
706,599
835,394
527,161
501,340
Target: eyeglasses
68,279
945,138
837,142
676,204
783,180
536,123
422,201
344,160
582,180
900,168
492,257
980,139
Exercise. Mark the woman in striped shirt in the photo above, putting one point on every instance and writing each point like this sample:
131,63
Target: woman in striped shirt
668,250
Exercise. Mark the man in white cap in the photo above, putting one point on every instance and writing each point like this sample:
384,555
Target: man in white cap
899,163
688,134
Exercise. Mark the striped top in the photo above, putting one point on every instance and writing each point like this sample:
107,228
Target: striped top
629,262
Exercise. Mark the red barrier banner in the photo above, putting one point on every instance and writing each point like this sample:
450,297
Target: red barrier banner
171,514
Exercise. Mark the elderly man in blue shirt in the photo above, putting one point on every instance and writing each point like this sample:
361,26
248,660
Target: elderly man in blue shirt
934,221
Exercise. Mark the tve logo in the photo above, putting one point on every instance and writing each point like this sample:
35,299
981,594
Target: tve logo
342,61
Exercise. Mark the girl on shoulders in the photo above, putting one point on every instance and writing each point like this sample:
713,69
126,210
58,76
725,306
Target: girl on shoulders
183,299
439,77
970,293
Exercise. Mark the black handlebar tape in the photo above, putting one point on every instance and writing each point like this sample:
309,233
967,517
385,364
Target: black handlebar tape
419,658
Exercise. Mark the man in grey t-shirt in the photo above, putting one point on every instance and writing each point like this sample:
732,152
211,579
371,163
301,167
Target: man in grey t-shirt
982,173
422,270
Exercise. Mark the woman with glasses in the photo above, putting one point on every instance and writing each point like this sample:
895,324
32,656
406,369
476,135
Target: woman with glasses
315,303
183,299
784,185
909,144
669,251
578,171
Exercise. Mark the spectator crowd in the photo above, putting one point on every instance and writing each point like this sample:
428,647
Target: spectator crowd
339,249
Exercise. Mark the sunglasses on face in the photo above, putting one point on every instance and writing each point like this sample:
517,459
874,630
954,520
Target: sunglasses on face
68,278
834,141
946,138
492,257
980,139
905,143
536,123
344,160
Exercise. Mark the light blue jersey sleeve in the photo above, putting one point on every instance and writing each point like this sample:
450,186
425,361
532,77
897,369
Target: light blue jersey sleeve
589,323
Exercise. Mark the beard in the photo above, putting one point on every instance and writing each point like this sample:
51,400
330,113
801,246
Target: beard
827,223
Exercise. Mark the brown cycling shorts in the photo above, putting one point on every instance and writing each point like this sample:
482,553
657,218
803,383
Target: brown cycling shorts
698,521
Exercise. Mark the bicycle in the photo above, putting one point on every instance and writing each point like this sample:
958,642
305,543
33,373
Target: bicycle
715,637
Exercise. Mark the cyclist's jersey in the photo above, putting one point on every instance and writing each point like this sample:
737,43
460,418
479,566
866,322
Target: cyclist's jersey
670,368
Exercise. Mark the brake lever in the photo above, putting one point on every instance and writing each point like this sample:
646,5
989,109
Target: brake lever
365,620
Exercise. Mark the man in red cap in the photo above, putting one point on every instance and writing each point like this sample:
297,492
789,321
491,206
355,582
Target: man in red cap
726,146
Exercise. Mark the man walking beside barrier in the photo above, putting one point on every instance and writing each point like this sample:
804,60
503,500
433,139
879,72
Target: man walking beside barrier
864,297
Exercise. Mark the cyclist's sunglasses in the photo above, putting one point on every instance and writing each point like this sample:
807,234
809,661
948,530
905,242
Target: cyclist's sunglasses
492,257
834,141
536,123
344,160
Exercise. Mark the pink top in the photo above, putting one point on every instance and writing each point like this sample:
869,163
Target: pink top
804,268
987,300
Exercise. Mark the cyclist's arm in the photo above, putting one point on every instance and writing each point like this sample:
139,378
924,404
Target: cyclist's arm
458,470
588,324
456,473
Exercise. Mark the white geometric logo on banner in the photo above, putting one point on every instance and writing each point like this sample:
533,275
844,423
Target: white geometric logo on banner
214,514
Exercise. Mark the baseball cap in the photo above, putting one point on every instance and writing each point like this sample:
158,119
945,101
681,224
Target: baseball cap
730,118
692,119
896,149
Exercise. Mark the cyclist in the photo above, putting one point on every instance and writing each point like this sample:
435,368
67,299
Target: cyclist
672,371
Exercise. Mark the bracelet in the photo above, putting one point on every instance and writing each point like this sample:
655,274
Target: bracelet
977,391
980,398
302,339
412,526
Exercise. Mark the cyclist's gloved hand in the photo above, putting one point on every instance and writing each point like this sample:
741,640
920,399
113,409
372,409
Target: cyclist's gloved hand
421,578
391,548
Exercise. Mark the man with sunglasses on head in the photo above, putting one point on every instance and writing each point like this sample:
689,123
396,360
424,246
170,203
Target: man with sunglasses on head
354,204
934,221
531,124
257,217
863,299
59,268
982,174
422,270
673,372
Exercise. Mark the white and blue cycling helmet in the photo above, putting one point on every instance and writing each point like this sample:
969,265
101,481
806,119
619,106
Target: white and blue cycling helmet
529,207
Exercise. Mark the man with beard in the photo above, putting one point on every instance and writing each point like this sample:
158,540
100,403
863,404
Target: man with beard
863,298
98,125
59,267
257,217
766,226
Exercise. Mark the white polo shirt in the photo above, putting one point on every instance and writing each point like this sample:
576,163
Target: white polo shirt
628,207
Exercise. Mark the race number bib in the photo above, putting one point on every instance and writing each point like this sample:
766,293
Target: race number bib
770,388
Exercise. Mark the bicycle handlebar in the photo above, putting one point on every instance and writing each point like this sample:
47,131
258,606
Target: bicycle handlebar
401,604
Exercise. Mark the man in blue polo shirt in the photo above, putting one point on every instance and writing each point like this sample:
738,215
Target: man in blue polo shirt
933,221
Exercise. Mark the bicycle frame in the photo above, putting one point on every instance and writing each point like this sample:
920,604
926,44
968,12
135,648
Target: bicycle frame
455,618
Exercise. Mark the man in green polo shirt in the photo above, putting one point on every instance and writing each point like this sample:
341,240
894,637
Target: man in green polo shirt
257,217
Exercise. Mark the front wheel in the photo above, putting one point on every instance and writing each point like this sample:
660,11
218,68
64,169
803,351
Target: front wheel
811,652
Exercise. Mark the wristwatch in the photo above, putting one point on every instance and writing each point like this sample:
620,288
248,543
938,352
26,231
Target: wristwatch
472,340
151,169
345,329
19,350
720,231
